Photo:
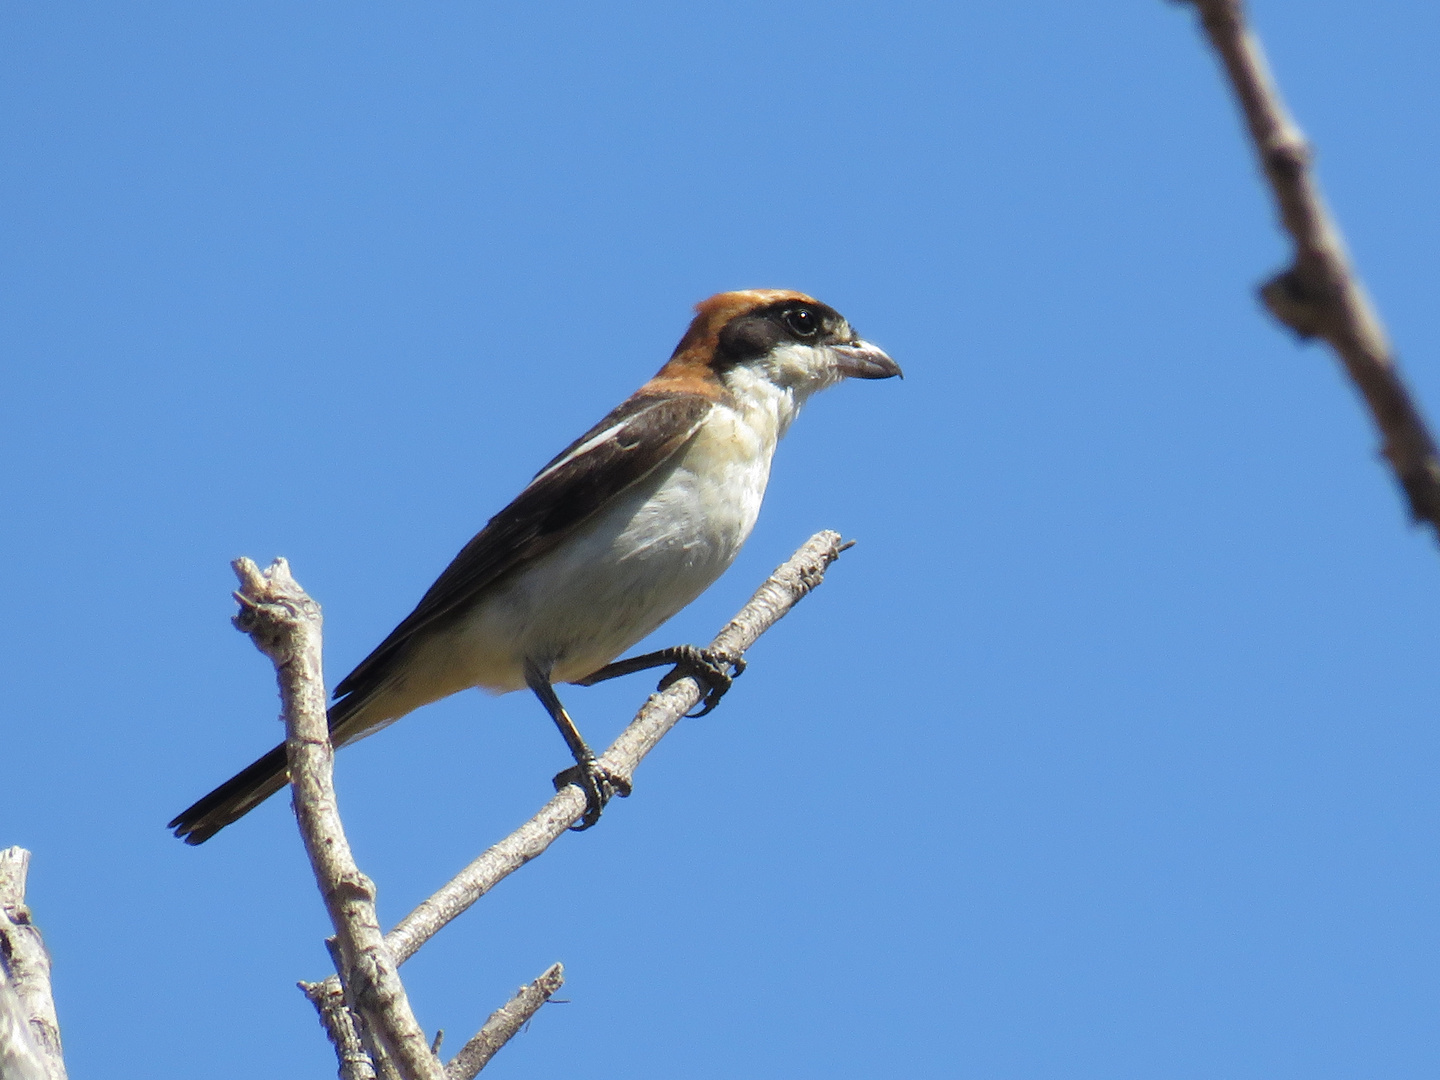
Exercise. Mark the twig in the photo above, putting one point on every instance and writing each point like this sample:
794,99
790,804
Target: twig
285,625
29,1030
1320,295
339,1024
368,1047
503,1024
801,573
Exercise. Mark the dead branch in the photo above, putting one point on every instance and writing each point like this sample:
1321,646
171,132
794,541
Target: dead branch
365,1010
785,588
340,1025
504,1023
29,1030
780,592
1320,295
285,625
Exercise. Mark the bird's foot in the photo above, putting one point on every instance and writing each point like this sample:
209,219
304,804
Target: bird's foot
599,785
715,673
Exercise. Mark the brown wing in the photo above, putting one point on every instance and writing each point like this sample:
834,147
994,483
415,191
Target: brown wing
632,442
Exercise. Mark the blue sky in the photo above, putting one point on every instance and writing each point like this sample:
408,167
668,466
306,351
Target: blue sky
1109,751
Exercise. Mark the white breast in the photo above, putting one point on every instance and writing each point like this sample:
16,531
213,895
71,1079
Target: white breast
636,564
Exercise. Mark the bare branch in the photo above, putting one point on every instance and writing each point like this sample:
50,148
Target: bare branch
504,1023
369,1047
785,588
20,1058
285,625
781,591
339,1024
1320,295
29,1030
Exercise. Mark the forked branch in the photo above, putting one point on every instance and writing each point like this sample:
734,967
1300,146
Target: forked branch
365,1010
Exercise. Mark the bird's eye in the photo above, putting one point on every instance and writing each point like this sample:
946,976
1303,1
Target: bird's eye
802,322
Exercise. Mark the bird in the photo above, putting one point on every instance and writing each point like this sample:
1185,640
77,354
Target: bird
622,529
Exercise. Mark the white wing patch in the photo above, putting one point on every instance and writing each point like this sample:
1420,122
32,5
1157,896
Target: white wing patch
584,448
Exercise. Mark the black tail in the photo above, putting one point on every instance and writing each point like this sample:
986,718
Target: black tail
255,783
233,799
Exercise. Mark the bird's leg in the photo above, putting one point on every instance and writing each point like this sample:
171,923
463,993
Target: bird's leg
714,671
598,783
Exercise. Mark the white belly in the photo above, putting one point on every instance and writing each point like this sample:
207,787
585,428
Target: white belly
628,570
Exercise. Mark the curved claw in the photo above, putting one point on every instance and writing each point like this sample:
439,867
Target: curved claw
599,785
716,674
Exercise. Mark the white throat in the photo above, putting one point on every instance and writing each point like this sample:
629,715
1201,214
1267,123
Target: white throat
770,391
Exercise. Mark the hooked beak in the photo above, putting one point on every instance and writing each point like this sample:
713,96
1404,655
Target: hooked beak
864,361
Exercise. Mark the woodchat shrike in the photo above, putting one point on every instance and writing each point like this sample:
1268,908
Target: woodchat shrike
626,526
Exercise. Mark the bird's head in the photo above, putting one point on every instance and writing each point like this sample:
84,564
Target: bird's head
788,339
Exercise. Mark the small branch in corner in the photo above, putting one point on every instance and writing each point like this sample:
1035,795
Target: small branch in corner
1319,295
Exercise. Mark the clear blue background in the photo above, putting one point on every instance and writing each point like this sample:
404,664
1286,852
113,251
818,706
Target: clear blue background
1110,751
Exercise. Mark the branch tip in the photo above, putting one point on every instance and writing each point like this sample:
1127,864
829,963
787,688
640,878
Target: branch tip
505,1023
